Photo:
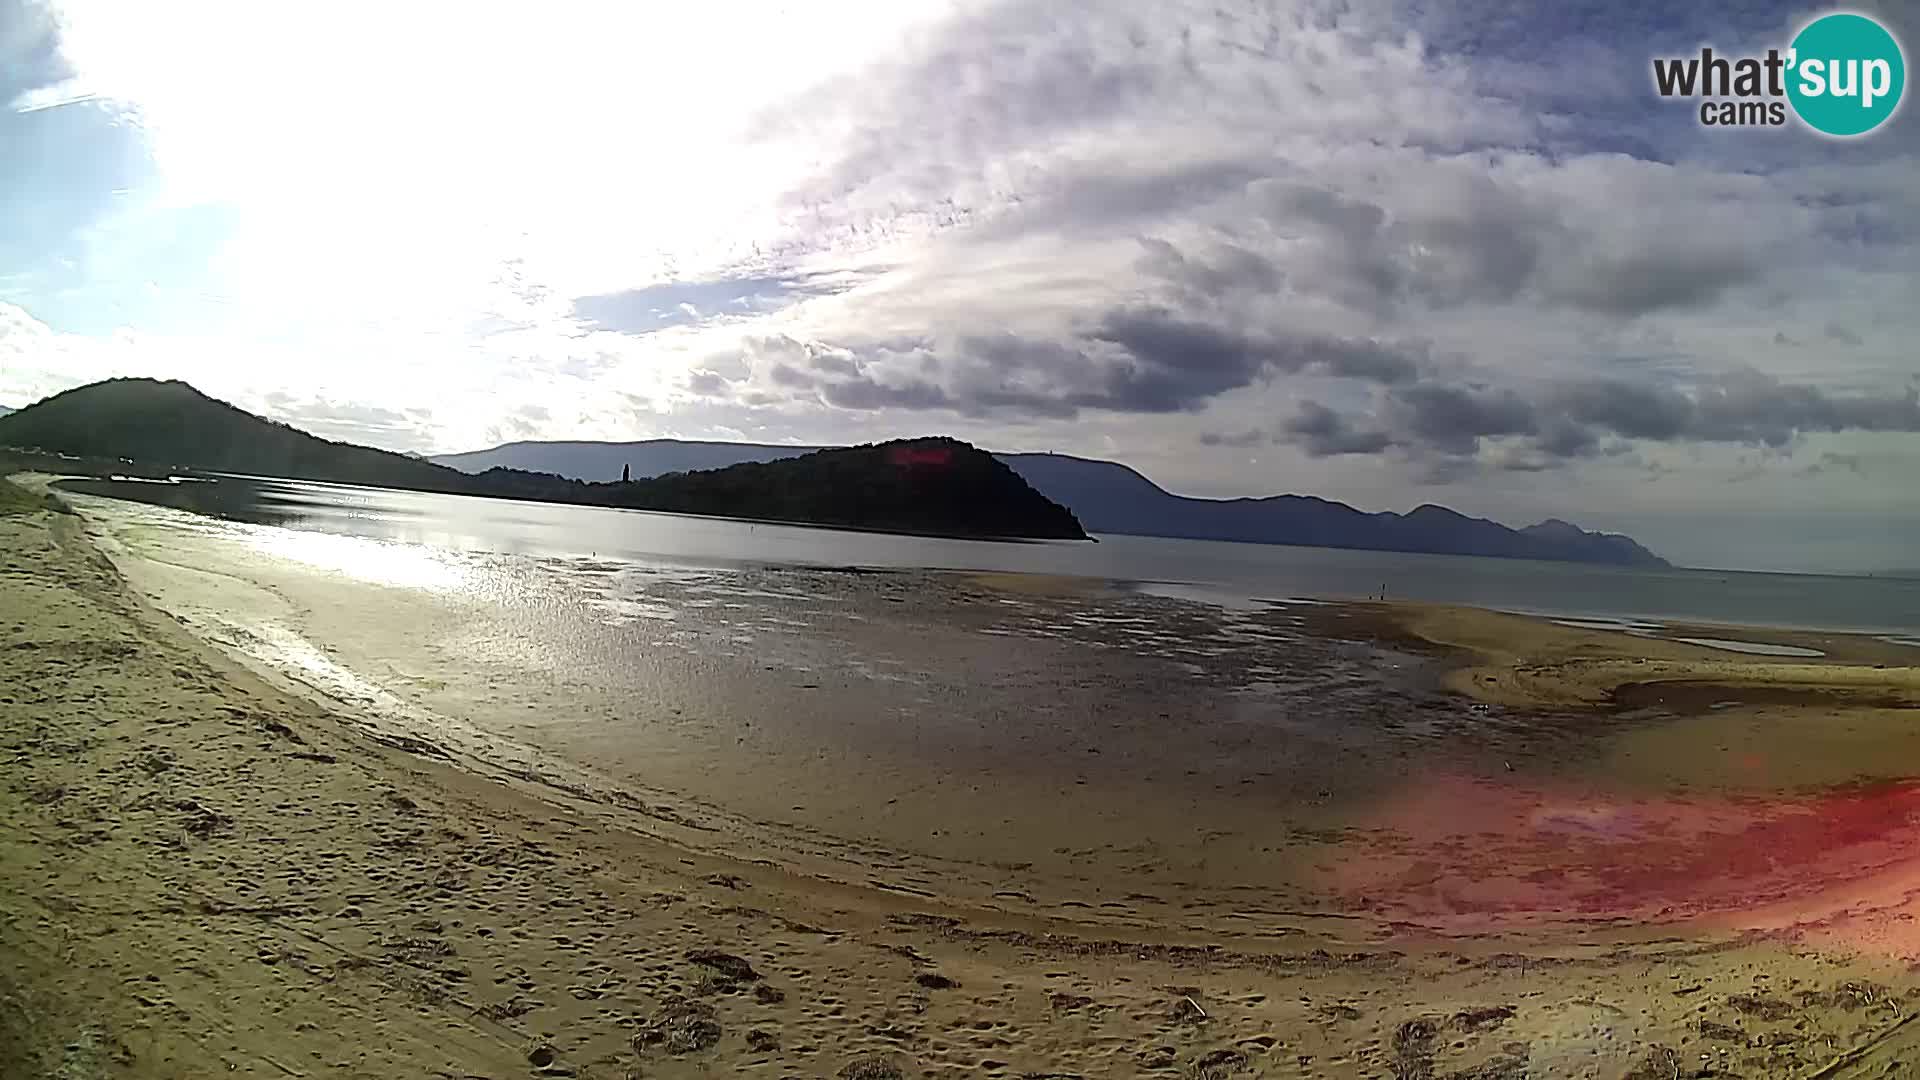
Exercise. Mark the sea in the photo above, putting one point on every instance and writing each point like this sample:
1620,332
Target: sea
1227,574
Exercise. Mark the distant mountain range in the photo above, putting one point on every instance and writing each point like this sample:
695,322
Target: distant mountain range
935,486
893,487
1110,497
602,461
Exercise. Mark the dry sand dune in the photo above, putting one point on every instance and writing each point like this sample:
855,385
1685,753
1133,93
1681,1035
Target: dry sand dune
203,874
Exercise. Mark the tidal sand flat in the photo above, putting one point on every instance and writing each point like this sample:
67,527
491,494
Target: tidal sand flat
281,803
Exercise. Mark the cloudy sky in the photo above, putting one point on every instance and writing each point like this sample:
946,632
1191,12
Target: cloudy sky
1389,253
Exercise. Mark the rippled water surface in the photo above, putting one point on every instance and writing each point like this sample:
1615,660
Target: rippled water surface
1225,573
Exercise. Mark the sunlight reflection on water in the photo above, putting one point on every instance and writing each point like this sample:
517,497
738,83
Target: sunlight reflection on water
378,562
593,540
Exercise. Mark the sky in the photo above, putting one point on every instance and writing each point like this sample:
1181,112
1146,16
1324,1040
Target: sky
1389,253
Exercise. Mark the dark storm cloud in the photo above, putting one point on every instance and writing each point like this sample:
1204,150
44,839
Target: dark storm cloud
1454,418
1570,420
678,303
1635,410
987,375
1177,364
1477,240
866,395
1350,358
1132,360
1321,432
1562,438
1749,407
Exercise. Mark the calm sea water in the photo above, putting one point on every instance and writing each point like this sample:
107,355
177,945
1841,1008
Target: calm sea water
1212,571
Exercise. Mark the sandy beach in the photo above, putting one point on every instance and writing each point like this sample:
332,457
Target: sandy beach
264,817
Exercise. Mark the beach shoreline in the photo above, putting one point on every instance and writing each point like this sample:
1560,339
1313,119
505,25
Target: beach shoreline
210,872
1231,573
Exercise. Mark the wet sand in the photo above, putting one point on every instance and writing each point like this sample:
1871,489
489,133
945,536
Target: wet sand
1299,849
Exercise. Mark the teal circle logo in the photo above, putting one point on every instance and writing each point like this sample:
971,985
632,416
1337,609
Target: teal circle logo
1846,74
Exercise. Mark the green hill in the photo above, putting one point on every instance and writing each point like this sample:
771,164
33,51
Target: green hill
935,486
161,424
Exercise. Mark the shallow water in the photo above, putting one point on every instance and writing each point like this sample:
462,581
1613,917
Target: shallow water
1235,573
1625,626
1087,739
1759,648
929,734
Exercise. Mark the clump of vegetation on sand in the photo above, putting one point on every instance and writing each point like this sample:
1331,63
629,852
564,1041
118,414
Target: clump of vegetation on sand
15,499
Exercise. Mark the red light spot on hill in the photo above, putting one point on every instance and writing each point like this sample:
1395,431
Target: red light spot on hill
912,456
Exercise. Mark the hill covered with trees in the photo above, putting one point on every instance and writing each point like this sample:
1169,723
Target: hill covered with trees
1109,497
936,486
170,424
